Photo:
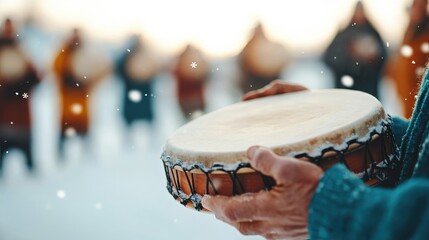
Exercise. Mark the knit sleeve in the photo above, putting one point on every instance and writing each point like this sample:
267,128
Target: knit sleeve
343,207
399,127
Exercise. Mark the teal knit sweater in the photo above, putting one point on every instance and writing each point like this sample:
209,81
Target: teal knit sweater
344,208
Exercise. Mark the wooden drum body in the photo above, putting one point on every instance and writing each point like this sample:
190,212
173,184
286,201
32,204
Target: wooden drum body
208,155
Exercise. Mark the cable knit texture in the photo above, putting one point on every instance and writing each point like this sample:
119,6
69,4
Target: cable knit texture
343,207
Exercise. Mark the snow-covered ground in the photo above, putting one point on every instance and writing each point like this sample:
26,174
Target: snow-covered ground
112,186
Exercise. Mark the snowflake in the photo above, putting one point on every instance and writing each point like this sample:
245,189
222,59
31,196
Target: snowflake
347,81
61,194
406,51
99,206
76,108
193,65
135,95
25,95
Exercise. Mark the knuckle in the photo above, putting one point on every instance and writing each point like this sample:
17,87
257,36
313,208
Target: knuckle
243,228
261,154
229,214
269,236
277,82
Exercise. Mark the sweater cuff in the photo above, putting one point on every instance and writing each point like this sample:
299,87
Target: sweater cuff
399,127
335,200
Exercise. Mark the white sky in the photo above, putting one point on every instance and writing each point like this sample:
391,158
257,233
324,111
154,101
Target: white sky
219,27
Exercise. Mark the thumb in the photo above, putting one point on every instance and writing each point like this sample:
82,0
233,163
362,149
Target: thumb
268,163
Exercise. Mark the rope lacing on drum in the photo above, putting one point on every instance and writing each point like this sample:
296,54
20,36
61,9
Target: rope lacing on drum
379,171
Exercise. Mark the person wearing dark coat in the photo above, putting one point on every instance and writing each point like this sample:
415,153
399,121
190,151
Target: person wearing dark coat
357,55
17,79
408,64
137,69
191,73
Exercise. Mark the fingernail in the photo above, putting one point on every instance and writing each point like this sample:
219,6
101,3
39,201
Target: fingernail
205,202
251,151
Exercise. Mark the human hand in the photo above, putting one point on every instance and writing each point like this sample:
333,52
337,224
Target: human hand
274,88
282,212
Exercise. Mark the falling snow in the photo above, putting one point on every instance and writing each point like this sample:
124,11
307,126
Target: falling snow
25,95
424,47
76,108
406,51
98,206
413,62
193,65
347,81
135,95
387,44
61,194
70,132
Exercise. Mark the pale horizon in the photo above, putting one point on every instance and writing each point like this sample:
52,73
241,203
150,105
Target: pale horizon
220,28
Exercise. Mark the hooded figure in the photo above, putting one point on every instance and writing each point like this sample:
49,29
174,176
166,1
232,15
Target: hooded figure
17,79
262,61
137,68
191,75
408,65
358,52
78,69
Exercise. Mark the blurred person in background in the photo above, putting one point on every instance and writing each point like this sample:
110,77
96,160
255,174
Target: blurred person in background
357,54
191,72
18,77
261,60
137,67
78,69
408,65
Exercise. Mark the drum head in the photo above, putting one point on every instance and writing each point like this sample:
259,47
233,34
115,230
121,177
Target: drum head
141,66
12,63
89,64
292,123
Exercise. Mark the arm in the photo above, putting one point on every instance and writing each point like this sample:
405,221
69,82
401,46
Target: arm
344,208
399,127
